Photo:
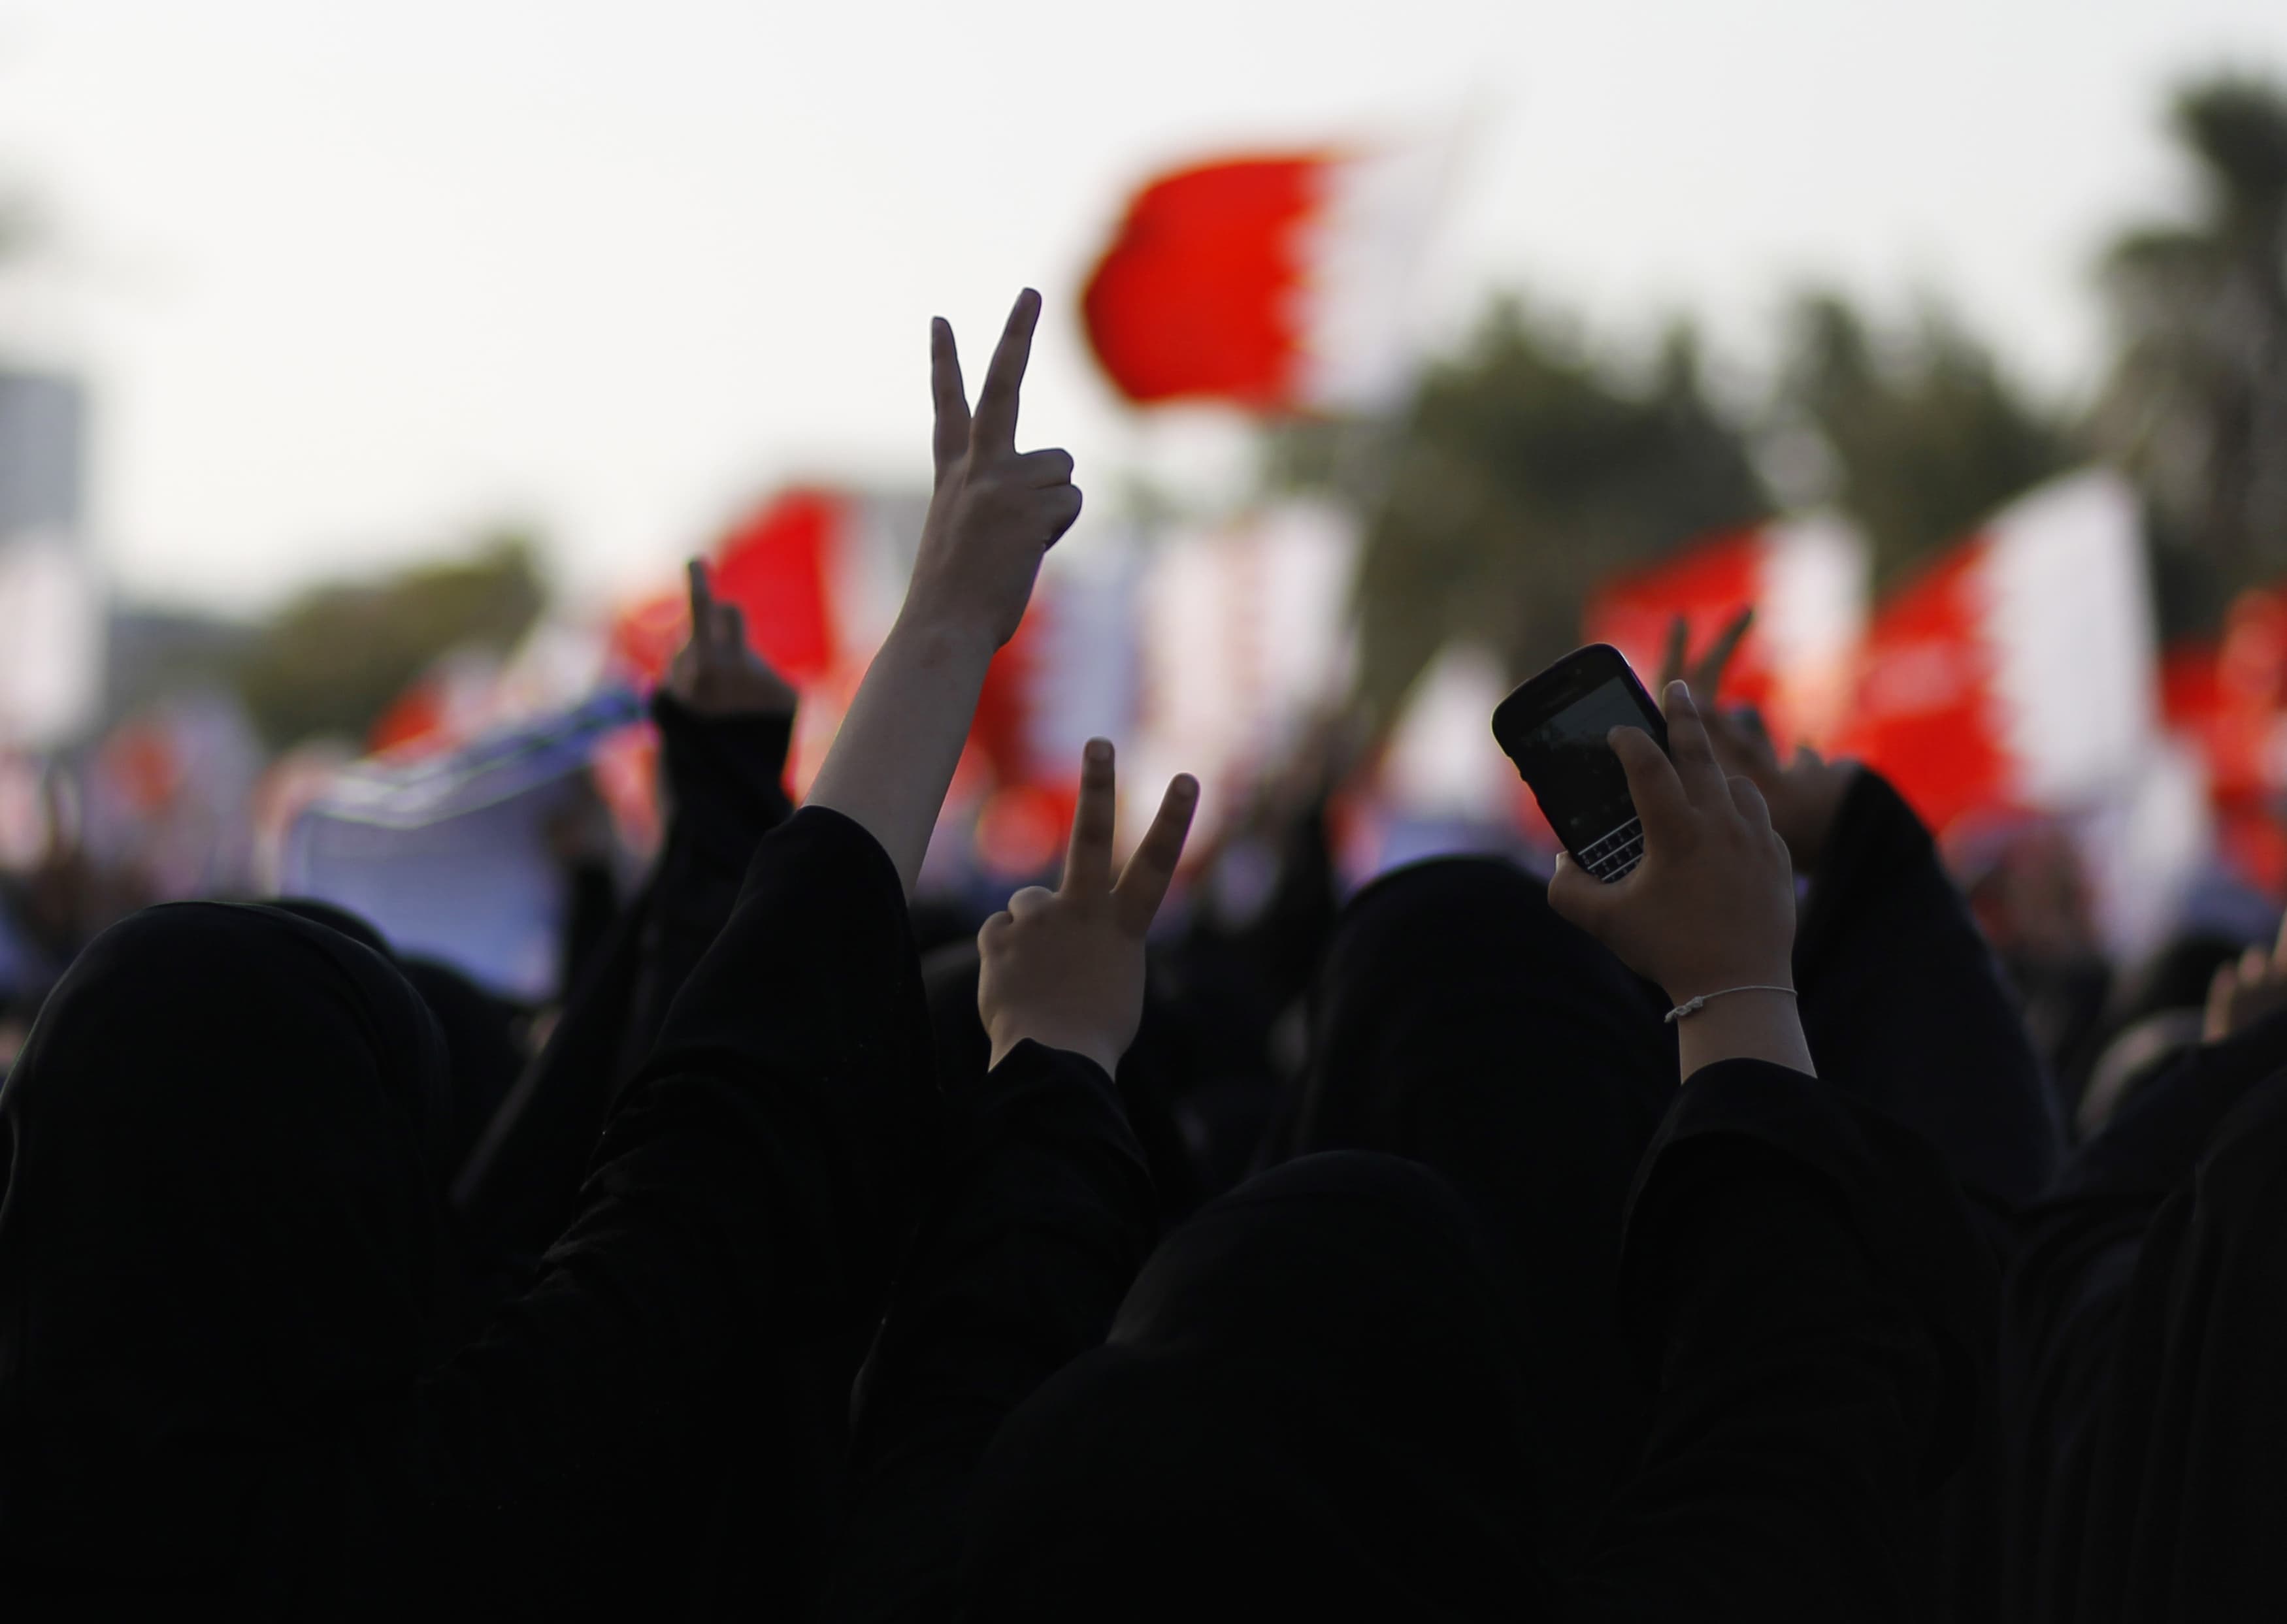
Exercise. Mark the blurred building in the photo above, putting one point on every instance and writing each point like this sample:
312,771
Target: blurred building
51,599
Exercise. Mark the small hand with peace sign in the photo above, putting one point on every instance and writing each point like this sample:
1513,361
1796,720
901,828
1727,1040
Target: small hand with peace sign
1805,790
995,509
715,673
1065,967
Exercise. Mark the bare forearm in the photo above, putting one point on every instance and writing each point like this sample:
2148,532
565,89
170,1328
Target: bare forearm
893,759
1751,1026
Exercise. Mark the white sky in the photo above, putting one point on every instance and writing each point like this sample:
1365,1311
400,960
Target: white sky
351,279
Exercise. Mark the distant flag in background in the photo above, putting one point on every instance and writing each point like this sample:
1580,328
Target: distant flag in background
2017,672
1246,630
1805,578
2227,700
1274,282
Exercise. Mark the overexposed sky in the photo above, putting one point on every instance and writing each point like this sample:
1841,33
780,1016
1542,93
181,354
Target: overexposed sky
351,278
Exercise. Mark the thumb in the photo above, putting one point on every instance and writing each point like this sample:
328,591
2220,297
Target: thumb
1577,897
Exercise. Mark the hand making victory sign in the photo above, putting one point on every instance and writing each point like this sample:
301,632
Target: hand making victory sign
1065,967
993,512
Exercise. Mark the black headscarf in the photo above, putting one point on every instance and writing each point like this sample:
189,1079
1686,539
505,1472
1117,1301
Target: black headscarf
221,1227
1458,1023
1312,1404
483,1049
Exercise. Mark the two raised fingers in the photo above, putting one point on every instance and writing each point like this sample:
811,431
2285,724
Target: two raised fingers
993,428
1706,677
1142,884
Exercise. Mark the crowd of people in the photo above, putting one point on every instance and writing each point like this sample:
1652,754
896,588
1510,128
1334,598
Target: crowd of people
1715,1244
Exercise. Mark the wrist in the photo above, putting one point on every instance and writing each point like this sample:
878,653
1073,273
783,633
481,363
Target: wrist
1683,987
938,633
1758,1026
1088,1047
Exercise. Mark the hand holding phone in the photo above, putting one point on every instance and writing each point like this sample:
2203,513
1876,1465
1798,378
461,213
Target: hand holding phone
1556,729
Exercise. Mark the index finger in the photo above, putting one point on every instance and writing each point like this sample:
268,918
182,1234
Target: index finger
950,438
1662,807
1702,775
1671,656
701,601
994,427
1152,869
1087,864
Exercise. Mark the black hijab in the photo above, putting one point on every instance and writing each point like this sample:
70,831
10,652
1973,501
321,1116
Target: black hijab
1458,1021
1312,1404
484,1051
219,1226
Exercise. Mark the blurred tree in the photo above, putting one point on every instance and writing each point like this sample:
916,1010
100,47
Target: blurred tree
2195,406
1923,433
1526,472
335,657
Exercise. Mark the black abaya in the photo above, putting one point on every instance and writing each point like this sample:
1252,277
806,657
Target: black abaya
1318,1399
2145,1331
217,1245
515,1190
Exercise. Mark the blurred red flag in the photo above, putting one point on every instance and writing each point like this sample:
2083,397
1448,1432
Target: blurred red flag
2017,672
1806,581
1274,282
2229,699
777,567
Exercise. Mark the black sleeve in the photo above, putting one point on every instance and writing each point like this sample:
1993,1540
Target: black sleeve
2081,1279
1042,1216
751,1190
1809,1292
724,792
1907,1010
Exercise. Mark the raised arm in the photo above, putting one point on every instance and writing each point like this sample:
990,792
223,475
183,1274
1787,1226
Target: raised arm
1042,1216
755,1184
994,512
725,720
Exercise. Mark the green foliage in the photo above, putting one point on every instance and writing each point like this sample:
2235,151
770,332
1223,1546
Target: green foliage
333,659
2195,406
1926,433
1526,473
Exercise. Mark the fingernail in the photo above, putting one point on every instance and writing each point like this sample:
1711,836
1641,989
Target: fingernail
1099,751
1186,786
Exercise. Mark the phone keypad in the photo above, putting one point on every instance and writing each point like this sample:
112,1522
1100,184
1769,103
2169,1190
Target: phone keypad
1612,856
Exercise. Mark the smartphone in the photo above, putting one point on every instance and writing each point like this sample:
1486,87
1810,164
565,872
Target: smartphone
1555,727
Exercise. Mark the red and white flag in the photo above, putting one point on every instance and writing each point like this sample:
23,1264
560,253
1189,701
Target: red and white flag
1275,282
2017,672
1244,633
1807,580
2227,701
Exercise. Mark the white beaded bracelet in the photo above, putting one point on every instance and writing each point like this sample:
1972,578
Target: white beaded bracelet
1692,1007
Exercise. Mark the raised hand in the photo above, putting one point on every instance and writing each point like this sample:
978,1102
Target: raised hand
1065,967
2245,991
995,509
1704,677
715,673
993,512
1805,791
1711,908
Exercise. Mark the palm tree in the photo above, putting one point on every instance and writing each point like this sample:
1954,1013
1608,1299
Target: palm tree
2195,406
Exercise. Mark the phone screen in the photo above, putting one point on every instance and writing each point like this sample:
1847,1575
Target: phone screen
1572,770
